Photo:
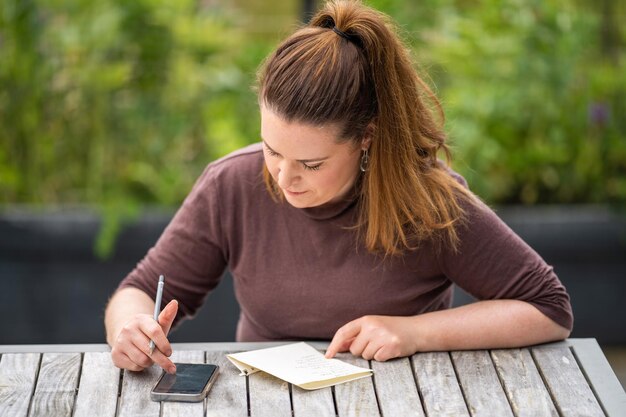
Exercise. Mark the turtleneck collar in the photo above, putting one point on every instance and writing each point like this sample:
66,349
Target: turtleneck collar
334,209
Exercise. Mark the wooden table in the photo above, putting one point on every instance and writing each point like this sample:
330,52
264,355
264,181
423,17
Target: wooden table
570,378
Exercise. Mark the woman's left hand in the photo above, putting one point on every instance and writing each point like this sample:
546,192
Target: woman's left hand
376,337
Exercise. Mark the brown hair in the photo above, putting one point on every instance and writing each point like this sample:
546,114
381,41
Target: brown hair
360,74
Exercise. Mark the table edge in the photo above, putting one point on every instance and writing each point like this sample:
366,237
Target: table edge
103,347
602,379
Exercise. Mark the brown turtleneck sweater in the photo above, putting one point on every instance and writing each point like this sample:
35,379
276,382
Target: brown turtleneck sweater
299,273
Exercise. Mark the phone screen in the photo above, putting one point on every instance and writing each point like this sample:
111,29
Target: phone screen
188,379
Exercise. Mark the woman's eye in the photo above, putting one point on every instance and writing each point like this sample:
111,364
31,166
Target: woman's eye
271,152
312,167
315,167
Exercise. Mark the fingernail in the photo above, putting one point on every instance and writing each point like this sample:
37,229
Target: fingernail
171,369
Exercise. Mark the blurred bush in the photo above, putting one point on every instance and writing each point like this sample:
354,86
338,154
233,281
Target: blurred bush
534,92
120,104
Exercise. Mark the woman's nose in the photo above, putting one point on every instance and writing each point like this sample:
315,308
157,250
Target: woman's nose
286,176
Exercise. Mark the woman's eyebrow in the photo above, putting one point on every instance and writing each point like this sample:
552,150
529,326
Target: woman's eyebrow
298,160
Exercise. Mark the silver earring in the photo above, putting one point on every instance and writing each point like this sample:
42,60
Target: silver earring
365,159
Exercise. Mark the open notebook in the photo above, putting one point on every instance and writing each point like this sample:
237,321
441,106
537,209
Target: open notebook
300,364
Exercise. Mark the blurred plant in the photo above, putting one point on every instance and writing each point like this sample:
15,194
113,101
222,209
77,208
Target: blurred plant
118,104
535,100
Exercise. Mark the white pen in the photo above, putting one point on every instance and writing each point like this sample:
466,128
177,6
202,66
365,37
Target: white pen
157,307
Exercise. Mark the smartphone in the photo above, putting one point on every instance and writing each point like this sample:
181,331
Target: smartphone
190,383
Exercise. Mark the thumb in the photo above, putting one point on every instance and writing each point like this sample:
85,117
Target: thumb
166,318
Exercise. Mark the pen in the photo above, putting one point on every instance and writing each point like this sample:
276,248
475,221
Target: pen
157,307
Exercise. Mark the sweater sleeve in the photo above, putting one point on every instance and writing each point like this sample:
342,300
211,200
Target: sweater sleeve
492,262
189,252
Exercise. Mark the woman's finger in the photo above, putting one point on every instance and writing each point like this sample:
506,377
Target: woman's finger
153,331
122,361
167,316
370,350
139,355
343,338
142,343
360,344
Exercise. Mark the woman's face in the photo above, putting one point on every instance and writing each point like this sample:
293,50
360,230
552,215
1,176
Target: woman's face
308,164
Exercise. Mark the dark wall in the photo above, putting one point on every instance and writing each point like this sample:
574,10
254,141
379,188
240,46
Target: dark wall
54,290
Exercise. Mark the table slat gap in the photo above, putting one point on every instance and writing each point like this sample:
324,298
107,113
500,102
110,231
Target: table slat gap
119,392
484,394
98,386
332,390
18,372
80,375
56,387
570,396
359,392
502,384
228,397
248,407
380,410
522,383
396,390
417,386
290,387
587,379
500,380
32,394
458,382
269,396
545,384
438,385
315,403
609,391
135,397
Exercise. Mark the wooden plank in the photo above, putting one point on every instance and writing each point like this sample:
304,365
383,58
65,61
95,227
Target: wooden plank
18,374
56,385
356,398
169,408
522,383
269,396
479,381
98,387
566,383
396,389
438,385
228,397
316,403
135,396
601,377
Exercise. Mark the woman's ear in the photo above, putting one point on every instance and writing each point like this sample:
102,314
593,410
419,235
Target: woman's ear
367,138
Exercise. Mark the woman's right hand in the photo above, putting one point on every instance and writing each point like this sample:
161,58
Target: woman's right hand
131,347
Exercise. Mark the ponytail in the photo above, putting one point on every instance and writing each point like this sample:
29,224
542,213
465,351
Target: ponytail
348,66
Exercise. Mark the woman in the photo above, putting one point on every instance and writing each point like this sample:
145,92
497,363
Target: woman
342,224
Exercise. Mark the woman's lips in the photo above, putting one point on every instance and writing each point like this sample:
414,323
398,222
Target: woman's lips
294,193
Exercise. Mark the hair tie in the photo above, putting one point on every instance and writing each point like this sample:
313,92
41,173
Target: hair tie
342,34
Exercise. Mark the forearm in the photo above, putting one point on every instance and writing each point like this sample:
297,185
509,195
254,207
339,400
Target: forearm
485,324
123,305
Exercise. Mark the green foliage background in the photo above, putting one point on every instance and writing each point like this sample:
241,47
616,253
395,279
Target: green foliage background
534,91
120,104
